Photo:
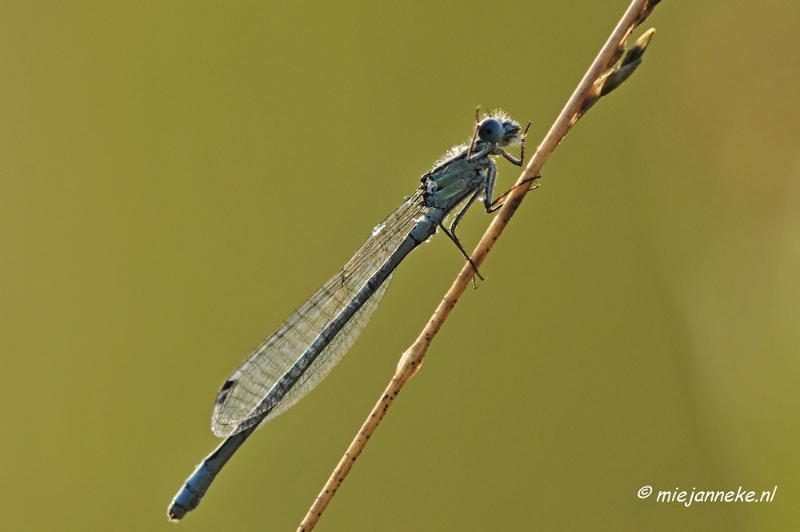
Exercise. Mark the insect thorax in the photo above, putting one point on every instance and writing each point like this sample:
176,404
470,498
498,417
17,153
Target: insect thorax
449,185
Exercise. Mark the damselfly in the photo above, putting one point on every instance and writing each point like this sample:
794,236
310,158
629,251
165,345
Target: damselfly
301,352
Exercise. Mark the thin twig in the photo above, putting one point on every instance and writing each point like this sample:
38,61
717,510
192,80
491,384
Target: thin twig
598,81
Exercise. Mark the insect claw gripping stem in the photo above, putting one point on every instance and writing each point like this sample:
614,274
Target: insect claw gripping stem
463,251
496,203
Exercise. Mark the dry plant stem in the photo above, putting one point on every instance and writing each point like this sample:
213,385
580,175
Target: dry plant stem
411,360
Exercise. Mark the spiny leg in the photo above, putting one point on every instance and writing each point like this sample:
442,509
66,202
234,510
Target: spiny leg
475,133
522,145
463,211
496,203
510,158
463,252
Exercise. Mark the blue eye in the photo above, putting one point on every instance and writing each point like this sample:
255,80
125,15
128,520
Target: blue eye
490,130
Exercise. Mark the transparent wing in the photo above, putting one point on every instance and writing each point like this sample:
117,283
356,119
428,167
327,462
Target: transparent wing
250,384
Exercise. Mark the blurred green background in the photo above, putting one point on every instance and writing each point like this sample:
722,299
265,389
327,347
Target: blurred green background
177,177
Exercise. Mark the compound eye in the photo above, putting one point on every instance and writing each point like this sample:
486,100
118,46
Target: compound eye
490,130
